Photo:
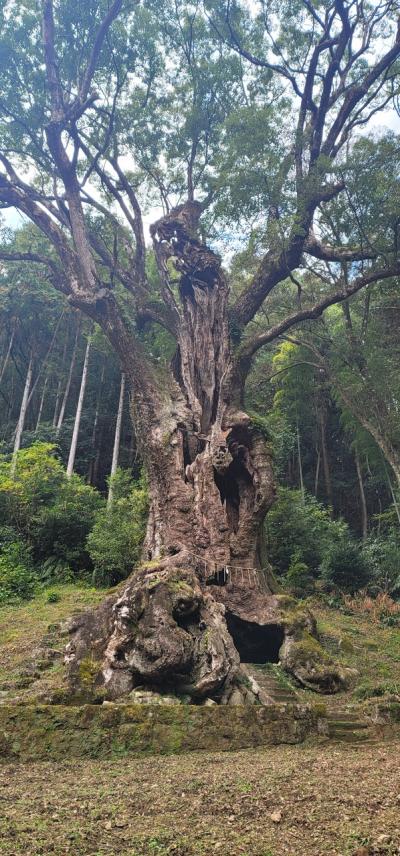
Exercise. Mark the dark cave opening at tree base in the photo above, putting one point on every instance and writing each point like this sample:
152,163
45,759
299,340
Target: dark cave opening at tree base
255,643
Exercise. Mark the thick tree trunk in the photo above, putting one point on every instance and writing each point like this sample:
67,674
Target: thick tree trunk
203,586
210,470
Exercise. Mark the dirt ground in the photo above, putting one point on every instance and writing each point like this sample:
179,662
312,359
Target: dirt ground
306,800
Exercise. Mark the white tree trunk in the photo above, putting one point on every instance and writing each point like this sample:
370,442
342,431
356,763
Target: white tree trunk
300,463
42,397
75,433
7,356
60,419
117,440
22,414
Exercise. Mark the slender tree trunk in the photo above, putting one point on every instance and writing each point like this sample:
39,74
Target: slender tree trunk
42,398
77,422
59,385
325,458
117,440
95,425
300,462
317,468
22,415
7,356
364,510
61,415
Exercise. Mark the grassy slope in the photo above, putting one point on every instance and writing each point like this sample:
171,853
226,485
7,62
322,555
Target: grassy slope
371,648
22,627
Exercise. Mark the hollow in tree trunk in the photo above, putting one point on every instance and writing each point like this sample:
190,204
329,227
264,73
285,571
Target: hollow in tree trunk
211,483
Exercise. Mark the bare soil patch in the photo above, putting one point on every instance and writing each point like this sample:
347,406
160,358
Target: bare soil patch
310,800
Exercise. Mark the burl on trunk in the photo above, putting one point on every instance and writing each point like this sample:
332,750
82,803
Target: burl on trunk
211,484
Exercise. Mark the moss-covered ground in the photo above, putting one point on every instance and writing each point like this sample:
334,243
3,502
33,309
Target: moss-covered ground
23,626
370,647
278,801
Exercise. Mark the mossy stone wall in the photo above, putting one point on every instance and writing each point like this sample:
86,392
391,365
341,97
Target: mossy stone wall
39,732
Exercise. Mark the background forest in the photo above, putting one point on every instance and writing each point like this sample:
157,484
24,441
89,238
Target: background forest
299,221
326,397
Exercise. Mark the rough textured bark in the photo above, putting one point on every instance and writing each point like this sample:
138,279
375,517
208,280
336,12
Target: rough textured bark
211,483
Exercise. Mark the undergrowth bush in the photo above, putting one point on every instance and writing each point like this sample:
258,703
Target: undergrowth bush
383,555
345,567
300,530
381,608
51,513
17,579
115,541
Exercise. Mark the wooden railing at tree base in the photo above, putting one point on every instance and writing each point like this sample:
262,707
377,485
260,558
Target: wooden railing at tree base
238,576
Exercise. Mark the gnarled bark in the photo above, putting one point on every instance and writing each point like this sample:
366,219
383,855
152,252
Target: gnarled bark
211,484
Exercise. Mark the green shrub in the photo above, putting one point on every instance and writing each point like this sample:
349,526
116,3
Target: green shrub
115,541
383,555
345,567
53,597
17,580
301,528
52,513
60,529
299,580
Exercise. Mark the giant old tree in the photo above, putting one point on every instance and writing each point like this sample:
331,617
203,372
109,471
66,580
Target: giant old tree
220,115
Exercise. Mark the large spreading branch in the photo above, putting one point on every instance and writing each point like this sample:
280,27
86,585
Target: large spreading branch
335,96
251,346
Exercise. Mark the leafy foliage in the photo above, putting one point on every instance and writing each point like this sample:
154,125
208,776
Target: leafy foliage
51,513
116,538
345,567
300,531
17,580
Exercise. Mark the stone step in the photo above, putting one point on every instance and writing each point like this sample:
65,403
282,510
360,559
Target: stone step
271,689
346,724
342,715
351,737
